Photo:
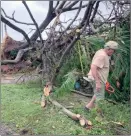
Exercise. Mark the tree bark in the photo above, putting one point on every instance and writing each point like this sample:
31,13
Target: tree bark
77,117
49,17
39,33
18,57
15,28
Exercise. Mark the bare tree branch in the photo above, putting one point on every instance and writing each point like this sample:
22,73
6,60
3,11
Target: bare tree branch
75,8
89,10
12,18
72,4
23,1
74,17
95,11
109,15
124,2
70,20
44,24
56,4
51,14
86,15
100,15
61,5
15,28
67,4
31,29
50,6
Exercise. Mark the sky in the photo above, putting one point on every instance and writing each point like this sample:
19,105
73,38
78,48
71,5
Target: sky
39,10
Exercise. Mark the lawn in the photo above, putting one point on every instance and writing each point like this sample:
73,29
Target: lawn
22,112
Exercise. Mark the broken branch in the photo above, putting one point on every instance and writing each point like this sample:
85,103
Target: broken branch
18,57
23,1
75,8
12,18
15,28
77,117
74,17
48,19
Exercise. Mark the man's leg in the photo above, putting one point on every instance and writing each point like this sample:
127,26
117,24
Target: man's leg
96,97
91,104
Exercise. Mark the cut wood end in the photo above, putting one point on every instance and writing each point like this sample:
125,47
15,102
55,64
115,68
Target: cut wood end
82,122
78,116
89,123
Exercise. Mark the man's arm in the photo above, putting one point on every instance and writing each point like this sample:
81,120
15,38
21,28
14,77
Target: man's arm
94,71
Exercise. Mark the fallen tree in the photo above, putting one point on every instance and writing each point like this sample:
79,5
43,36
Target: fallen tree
54,50
77,117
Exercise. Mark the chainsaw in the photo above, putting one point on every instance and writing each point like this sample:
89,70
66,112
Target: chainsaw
109,88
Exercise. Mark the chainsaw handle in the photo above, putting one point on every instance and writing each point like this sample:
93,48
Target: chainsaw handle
109,88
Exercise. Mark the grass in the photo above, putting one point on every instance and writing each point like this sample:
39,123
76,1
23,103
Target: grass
20,112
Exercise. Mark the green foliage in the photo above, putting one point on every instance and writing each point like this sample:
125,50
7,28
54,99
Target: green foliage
78,62
84,50
71,63
95,42
80,57
121,69
13,53
68,84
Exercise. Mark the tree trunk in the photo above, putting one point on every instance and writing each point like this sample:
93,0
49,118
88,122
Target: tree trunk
18,57
77,117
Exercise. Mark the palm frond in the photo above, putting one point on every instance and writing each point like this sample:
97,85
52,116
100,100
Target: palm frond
68,83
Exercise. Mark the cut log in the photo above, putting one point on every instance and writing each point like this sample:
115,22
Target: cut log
77,117
46,91
69,107
82,122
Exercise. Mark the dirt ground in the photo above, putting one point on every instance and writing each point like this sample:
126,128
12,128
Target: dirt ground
5,131
18,78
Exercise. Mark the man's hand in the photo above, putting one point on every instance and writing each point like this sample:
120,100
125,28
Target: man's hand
118,84
98,86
